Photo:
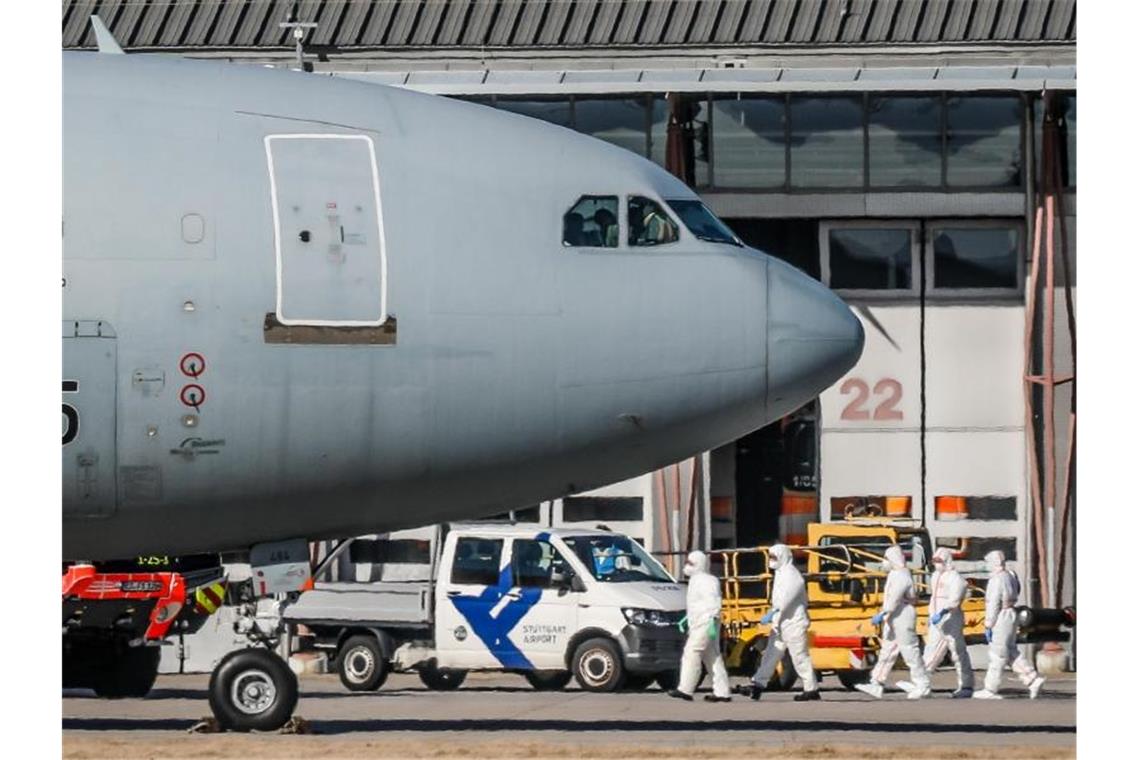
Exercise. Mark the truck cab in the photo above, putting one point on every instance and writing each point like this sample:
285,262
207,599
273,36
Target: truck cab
549,604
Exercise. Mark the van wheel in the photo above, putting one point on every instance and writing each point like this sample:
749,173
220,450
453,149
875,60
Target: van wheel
361,664
252,690
440,679
597,665
548,680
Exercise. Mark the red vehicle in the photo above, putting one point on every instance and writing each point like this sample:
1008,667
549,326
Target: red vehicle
116,615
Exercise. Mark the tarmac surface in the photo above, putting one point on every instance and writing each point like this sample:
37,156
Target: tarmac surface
499,715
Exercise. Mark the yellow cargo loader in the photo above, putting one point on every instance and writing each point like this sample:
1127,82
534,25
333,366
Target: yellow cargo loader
844,569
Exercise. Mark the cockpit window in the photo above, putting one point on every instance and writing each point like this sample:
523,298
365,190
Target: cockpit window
649,224
703,223
592,222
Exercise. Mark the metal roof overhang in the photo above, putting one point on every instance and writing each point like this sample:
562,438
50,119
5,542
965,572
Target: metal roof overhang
614,81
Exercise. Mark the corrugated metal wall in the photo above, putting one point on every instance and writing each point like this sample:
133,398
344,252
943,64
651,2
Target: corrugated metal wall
231,24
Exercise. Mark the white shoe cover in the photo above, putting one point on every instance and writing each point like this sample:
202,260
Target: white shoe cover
1035,687
874,689
986,694
906,686
917,693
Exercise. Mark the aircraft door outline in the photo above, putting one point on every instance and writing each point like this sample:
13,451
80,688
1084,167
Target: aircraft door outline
330,270
90,400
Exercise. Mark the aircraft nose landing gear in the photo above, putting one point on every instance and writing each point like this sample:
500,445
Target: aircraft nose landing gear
252,690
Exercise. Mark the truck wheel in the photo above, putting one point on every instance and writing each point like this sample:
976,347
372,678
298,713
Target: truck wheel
851,678
597,665
252,690
361,664
131,673
440,679
637,681
548,680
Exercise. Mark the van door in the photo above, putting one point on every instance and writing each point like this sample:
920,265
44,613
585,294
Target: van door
547,613
474,581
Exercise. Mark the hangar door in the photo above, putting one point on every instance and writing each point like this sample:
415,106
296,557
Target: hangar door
89,357
328,230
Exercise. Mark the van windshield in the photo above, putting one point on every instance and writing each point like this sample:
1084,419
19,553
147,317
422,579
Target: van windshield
617,559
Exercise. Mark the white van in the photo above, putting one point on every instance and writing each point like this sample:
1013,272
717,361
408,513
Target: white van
546,603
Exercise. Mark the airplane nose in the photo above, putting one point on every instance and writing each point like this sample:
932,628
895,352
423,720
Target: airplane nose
813,338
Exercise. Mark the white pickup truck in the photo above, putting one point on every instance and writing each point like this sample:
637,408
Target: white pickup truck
546,603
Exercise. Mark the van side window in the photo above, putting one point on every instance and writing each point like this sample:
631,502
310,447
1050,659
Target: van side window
477,561
592,222
533,563
649,224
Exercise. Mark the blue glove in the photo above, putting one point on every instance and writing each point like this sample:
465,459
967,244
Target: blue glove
878,619
936,618
767,619
989,635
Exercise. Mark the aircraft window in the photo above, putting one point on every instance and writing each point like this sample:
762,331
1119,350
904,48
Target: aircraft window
649,224
477,561
592,222
703,223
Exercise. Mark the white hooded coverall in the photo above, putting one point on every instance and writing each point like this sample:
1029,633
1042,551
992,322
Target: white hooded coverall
1001,596
947,590
898,625
702,608
789,626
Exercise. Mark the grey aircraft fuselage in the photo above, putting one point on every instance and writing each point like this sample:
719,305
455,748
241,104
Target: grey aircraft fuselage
296,306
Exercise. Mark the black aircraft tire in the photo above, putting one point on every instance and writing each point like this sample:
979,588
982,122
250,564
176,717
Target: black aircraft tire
438,679
131,673
361,664
548,680
252,690
597,665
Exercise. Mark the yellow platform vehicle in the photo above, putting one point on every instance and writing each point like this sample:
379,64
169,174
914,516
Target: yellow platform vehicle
844,569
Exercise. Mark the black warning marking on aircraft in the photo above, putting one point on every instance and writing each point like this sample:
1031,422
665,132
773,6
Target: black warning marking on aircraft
70,413
380,335
192,364
192,395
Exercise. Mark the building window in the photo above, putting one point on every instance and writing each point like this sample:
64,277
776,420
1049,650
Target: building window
983,141
904,135
748,142
401,550
621,121
975,548
649,224
694,134
553,111
826,139
592,222
1066,106
477,561
952,508
795,241
612,508
877,259
975,256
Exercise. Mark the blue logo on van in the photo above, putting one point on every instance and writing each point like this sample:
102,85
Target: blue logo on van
494,630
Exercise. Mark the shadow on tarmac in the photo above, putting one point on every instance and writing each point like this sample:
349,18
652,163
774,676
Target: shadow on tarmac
327,727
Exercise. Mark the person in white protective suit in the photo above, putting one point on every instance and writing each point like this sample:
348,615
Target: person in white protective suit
898,637
1001,631
702,647
947,591
788,619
